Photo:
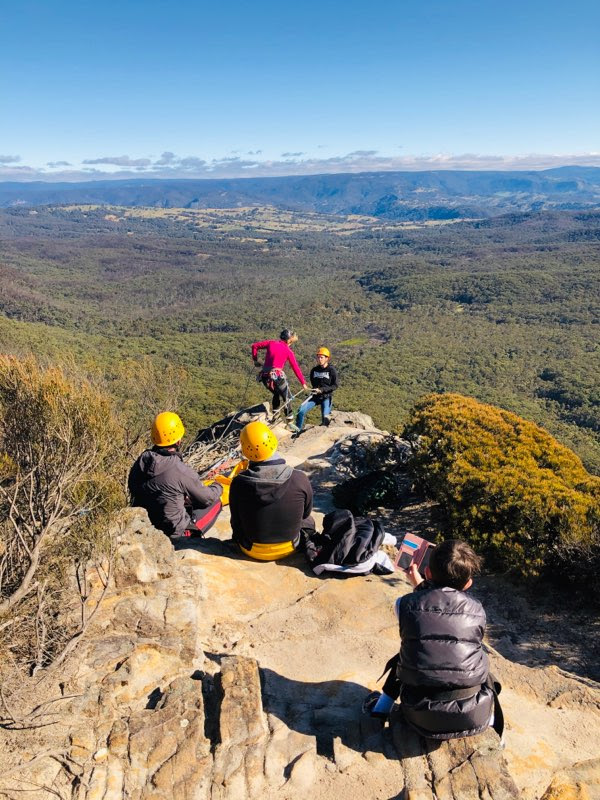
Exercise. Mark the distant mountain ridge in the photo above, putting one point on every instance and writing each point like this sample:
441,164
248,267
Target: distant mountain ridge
442,194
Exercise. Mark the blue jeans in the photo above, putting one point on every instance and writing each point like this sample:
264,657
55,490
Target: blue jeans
309,403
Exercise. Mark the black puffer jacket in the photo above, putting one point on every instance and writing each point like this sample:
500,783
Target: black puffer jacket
161,483
441,650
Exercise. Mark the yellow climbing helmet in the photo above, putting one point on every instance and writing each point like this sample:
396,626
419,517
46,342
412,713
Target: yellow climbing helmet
323,351
167,429
257,441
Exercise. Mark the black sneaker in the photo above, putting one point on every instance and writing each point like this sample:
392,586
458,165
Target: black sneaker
369,704
326,422
194,533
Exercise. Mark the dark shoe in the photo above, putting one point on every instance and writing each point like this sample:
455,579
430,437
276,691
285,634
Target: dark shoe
369,704
194,534
326,421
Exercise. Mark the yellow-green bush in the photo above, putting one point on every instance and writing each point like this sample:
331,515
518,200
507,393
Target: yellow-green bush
507,486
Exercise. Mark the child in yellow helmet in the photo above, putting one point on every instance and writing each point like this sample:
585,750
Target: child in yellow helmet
324,381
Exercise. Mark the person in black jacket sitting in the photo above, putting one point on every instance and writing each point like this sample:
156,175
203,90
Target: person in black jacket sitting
270,502
441,675
323,379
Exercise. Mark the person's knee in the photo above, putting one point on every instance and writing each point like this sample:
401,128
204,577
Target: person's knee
205,518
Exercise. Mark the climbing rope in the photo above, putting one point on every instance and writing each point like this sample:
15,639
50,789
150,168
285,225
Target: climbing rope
210,458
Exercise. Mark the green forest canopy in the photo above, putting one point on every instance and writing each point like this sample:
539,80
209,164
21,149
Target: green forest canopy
505,310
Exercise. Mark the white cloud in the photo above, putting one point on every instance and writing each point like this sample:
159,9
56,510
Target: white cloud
363,153
166,158
189,163
170,165
119,161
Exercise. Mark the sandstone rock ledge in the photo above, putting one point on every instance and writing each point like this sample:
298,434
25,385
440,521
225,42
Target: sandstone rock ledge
227,749
151,712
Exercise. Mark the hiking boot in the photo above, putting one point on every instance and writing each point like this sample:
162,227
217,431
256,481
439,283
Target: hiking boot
293,428
369,704
326,422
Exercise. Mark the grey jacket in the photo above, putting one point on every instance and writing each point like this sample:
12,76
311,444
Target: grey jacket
441,650
161,483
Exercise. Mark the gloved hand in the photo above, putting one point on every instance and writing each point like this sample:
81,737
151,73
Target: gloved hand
225,483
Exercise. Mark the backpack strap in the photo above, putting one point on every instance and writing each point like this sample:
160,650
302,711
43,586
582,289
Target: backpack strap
496,687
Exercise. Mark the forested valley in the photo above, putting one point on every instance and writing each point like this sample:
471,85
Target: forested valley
506,310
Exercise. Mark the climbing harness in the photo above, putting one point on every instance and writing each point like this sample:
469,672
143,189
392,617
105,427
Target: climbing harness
271,378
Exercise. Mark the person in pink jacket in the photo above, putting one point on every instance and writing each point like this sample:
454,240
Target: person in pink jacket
272,376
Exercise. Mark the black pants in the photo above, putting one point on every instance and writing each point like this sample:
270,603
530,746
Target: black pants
280,389
204,518
392,687
392,684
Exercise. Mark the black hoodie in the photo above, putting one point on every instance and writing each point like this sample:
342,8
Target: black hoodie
270,503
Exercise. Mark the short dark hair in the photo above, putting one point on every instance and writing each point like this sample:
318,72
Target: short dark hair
286,334
453,563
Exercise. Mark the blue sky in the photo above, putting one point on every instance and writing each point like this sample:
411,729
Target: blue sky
199,89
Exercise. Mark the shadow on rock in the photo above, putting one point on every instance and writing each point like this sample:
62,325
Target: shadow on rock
208,544
323,502
228,549
527,625
327,710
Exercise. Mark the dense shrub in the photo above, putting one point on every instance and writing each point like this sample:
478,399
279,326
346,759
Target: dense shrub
508,487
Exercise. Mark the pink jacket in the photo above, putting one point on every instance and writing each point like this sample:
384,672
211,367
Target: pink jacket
276,356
